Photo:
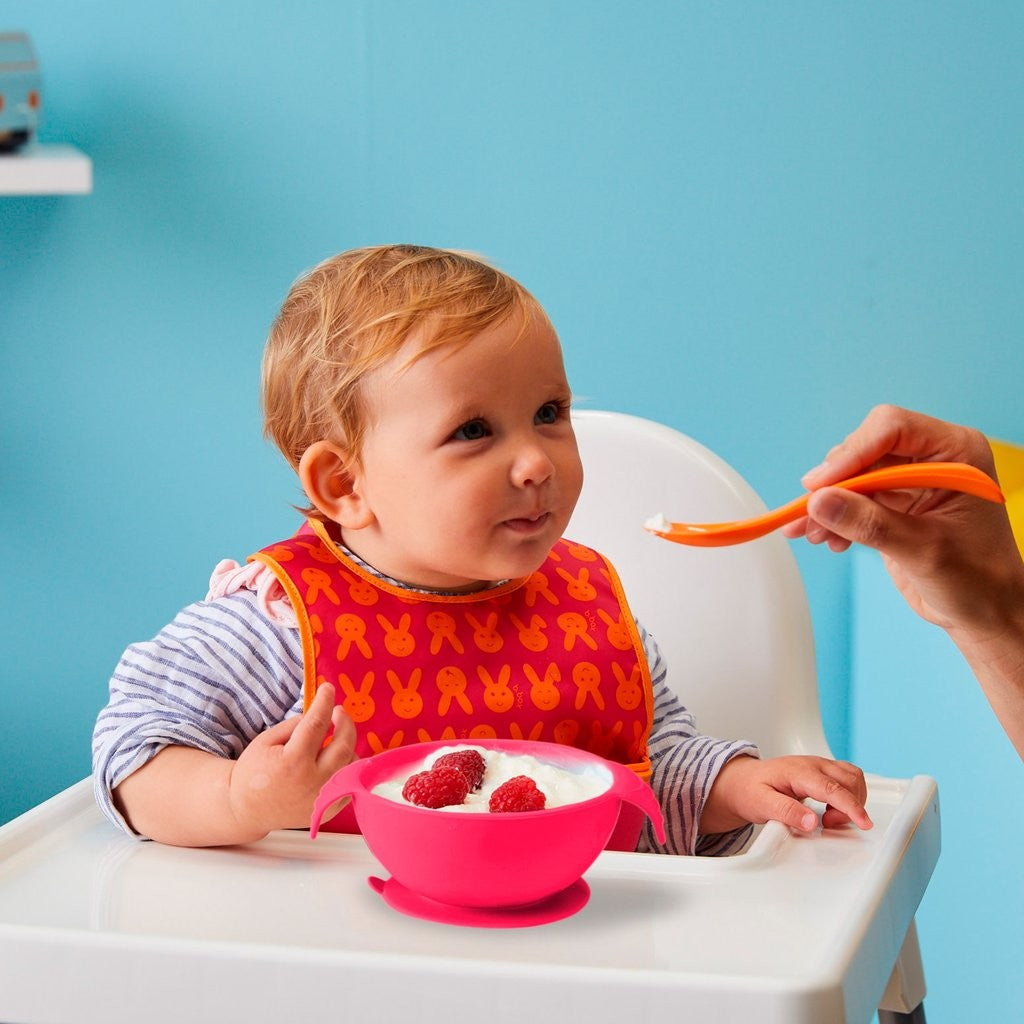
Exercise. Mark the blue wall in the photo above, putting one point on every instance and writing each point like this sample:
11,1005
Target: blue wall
916,709
751,221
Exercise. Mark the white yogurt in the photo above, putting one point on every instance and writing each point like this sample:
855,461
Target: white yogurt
559,785
658,524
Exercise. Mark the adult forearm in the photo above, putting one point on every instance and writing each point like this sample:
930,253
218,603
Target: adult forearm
997,661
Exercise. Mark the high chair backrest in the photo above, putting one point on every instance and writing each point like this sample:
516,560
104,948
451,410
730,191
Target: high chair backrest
732,622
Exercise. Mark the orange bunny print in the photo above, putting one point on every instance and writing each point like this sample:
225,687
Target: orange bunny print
567,731
361,591
319,582
617,632
628,693
515,730
280,553
398,641
485,636
443,629
316,628
638,747
579,586
406,702
318,552
352,631
575,627
544,691
601,742
531,636
587,678
378,746
498,695
358,704
581,553
447,733
452,682
536,586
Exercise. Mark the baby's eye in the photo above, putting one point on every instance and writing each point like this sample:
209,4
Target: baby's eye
549,412
473,430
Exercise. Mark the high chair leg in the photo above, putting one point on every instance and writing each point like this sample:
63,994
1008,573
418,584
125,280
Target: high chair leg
903,999
895,1017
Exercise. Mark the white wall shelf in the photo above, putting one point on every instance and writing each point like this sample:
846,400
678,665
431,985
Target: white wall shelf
39,170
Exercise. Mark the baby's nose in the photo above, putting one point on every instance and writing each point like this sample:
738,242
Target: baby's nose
532,465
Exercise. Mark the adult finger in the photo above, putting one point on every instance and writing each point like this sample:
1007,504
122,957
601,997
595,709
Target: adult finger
854,517
890,434
877,436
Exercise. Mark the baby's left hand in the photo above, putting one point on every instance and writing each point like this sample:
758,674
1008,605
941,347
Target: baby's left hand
752,790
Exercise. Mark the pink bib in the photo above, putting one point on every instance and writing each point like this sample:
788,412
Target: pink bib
555,656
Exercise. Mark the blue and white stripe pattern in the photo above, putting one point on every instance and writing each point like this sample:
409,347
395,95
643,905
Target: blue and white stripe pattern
222,672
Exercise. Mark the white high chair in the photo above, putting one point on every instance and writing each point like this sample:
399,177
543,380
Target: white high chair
796,930
732,623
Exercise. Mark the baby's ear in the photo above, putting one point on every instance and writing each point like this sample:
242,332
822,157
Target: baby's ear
330,479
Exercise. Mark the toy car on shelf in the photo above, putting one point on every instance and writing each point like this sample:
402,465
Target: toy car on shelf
20,91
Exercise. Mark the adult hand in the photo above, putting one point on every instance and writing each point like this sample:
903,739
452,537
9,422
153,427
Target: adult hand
952,556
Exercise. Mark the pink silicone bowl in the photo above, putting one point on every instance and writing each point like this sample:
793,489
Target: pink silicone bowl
490,860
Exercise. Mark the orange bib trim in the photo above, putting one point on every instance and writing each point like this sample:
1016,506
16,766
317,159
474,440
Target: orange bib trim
554,656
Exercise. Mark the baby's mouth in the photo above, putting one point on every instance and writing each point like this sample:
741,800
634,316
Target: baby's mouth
528,524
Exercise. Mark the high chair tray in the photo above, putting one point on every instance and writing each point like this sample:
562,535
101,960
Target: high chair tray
96,927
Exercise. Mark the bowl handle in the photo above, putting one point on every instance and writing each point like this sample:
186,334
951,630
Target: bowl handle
344,782
628,786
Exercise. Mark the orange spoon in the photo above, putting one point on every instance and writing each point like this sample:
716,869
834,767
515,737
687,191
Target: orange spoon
953,476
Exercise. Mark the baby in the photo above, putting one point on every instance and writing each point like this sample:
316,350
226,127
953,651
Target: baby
421,397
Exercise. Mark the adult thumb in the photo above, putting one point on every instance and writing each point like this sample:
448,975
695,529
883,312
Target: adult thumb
855,518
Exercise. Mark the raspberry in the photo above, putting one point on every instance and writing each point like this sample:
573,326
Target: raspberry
439,787
518,794
469,762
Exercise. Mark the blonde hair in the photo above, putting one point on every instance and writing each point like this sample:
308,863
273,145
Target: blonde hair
351,314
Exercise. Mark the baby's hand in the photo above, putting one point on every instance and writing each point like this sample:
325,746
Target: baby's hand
751,790
277,777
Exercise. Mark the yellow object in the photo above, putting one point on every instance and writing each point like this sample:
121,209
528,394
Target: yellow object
1010,470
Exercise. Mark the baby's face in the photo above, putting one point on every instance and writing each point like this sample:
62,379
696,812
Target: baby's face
469,463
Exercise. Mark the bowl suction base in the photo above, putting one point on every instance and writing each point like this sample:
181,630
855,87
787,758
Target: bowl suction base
554,908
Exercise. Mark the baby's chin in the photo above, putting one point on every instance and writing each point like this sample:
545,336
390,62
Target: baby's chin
509,557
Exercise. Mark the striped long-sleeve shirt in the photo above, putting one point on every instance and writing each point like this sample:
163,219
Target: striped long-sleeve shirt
224,671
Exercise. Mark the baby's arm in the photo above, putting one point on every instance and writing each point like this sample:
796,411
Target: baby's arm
214,682
684,766
751,790
188,797
711,790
